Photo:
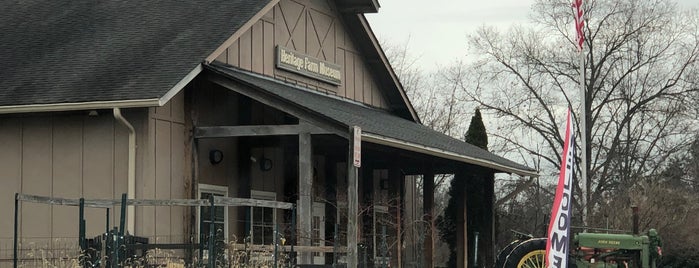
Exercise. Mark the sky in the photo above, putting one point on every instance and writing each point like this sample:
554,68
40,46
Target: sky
436,30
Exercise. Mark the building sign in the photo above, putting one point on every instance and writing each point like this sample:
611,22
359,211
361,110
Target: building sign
308,66
357,146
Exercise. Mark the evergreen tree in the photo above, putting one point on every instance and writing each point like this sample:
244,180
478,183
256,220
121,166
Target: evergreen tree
448,222
476,133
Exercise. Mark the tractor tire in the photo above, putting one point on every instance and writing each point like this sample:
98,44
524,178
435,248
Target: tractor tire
527,254
502,255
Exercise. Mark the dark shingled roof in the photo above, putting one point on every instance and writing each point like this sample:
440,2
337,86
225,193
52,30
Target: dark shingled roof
371,120
68,51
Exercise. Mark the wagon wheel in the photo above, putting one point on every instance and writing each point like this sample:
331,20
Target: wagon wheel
502,256
528,254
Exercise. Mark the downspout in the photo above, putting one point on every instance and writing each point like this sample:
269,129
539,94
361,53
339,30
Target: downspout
131,175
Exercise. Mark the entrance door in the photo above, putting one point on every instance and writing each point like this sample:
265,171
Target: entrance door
318,231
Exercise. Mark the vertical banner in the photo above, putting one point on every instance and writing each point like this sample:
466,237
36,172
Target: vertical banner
357,146
558,240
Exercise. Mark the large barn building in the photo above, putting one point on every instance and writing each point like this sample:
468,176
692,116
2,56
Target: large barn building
290,101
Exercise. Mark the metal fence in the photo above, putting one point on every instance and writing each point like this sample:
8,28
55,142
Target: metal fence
115,248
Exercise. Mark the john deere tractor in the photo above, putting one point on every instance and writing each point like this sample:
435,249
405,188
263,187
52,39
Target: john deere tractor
589,250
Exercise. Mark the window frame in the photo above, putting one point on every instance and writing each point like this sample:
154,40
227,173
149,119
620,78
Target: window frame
213,189
262,195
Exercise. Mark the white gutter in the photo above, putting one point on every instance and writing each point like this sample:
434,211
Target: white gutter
74,106
100,105
131,184
373,138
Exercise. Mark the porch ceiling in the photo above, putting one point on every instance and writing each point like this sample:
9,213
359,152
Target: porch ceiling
378,126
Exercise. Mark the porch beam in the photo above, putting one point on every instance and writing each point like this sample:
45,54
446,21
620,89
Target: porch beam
282,105
256,130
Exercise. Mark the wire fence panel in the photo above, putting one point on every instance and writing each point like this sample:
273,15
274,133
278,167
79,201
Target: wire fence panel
263,245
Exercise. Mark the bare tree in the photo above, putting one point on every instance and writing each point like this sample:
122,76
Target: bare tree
641,69
437,103
435,99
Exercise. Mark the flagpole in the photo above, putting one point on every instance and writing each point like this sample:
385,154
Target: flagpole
583,137
578,9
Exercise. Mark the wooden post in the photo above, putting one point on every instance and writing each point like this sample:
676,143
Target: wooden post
212,233
428,209
304,204
461,228
474,210
464,234
14,249
396,194
489,226
352,204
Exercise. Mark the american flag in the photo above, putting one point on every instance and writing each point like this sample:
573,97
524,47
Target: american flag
579,22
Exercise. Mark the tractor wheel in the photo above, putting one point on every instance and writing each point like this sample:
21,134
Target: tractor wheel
502,256
528,254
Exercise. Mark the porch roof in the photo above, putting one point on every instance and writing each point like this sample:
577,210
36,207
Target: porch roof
378,126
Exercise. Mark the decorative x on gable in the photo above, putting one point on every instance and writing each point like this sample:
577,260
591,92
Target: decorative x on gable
307,28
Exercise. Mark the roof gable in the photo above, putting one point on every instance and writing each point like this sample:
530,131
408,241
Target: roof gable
323,30
99,51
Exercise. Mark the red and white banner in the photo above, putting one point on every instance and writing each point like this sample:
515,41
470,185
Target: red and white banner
579,23
558,242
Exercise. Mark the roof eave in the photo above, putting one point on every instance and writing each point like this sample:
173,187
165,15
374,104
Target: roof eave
76,106
373,138
96,105
358,6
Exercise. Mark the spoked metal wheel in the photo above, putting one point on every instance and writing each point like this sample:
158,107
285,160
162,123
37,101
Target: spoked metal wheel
528,254
533,259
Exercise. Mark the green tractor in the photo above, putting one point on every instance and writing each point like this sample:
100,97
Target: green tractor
588,250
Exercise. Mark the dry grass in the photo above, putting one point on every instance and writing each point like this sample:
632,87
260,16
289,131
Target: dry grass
65,253
60,255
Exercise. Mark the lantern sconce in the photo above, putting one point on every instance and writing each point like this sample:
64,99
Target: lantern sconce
265,164
215,156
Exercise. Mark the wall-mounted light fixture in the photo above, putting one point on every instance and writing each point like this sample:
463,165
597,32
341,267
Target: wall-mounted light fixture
265,164
215,156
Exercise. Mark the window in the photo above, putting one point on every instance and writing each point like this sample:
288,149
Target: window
318,231
220,217
382,221
263,219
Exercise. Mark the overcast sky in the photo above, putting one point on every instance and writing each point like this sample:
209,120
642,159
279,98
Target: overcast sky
437,29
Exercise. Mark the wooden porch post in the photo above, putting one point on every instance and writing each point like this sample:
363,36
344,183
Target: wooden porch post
461,228
428,209
352,204
304,203
397,182
489,226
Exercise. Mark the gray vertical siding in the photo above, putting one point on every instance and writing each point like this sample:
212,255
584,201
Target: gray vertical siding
314,28
73,155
